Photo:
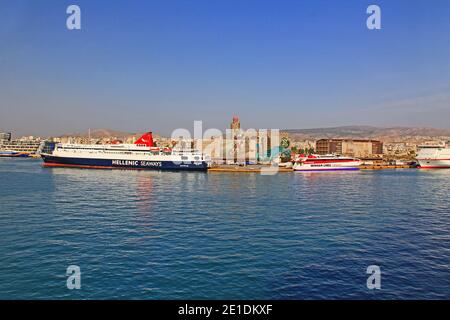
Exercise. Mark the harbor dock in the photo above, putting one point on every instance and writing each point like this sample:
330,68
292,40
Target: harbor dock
382,167
246,169
257,168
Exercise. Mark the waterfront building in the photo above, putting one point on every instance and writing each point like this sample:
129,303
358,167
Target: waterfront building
240,146
349,147
236,141
235,124
403,150
5,136
304,146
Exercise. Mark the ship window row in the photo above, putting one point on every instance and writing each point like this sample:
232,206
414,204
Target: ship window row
113,152
102,149
20,144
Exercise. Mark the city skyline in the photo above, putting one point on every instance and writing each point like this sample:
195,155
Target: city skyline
160,66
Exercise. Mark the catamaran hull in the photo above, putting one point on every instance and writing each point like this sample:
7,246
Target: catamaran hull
92,163
299,168
328,165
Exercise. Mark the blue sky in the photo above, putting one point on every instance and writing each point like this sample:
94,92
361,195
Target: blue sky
161,64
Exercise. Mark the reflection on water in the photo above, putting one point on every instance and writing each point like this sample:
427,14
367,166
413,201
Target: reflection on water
144,193
145,234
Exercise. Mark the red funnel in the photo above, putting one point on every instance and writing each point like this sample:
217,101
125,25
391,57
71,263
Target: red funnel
146,140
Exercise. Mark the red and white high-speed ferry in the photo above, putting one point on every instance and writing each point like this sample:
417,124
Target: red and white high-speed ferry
329,162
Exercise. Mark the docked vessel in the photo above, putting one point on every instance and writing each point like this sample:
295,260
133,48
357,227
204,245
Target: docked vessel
19,148
140,155
329,162
434,156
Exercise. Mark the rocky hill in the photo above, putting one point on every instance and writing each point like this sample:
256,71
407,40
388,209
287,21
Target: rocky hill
368,132
105,133
397,134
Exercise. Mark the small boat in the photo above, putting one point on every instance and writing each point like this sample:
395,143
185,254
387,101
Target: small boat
13,154
329,162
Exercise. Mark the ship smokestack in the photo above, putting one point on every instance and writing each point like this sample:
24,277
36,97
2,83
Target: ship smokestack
146,139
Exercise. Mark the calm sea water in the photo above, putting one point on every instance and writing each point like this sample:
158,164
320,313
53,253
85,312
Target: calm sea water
167,235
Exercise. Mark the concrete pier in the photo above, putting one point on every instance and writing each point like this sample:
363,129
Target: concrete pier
381,167
257,168
246,169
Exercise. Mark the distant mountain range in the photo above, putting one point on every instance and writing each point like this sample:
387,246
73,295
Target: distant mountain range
105,133
346,132
369,132
98,133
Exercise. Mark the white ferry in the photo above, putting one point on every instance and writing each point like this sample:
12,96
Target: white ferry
328,162
434,156
140,155
19,148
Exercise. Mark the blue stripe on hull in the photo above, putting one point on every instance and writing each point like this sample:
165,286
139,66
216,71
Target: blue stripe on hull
14,155
126,164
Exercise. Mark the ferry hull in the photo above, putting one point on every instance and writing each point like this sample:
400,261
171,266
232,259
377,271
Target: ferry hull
434,157
434,164
88,163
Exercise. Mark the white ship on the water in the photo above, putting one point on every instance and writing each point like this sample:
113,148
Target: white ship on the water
24,147
329,162
140,155
434,156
